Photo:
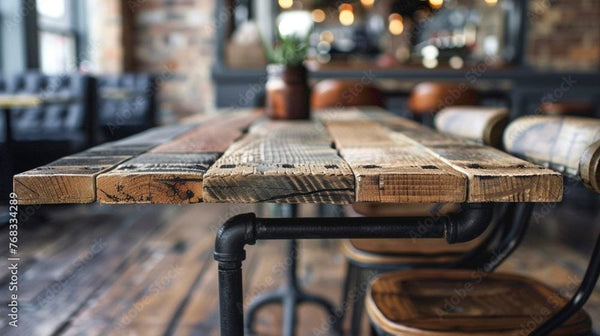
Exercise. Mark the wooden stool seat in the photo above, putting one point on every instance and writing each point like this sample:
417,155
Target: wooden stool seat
465,302
567,108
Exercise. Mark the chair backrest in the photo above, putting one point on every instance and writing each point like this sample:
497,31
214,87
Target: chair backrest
127,100
68,104
479,123
431,97
567,144
343,93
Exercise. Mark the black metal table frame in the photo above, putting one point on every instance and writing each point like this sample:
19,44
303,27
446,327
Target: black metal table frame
246,229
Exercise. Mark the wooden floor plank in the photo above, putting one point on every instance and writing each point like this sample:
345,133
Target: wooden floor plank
54,298
147,293
281,161
173,172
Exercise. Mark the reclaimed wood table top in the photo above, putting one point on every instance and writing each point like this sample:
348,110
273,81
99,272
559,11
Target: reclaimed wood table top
340,156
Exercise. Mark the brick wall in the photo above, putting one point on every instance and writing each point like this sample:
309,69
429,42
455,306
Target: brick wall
564,34
105,48
175,40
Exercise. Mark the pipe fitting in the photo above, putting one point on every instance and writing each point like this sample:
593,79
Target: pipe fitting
469,223
233,237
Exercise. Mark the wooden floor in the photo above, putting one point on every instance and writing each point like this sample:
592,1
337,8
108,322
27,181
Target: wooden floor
148,270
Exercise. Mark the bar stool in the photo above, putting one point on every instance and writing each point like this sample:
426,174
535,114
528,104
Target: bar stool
428,98
342,93
459,302
368,257
452,302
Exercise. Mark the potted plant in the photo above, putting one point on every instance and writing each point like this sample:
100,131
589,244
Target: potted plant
287,91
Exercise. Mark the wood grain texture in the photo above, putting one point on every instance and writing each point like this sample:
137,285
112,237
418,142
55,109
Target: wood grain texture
281,161
73,179
173,172
457,302
492,175
387,170
566,144
495,176
156,178
214,135
481,124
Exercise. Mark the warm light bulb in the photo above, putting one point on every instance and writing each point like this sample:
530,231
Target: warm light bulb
436,3
367,3
318,15
396,25
285,4
346,14
491,2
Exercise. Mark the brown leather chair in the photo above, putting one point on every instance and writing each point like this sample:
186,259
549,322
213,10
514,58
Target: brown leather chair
407,302
343,93
428,98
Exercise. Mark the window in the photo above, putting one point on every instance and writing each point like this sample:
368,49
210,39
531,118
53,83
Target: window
58,35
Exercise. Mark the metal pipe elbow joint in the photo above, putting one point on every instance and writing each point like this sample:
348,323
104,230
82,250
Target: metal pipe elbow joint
236,233
469,223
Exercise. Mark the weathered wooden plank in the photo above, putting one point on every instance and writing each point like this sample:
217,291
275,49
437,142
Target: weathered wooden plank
214,136
389,170
173,172
493,175
156,178
478,123
73,179
281,161
154,136
68,180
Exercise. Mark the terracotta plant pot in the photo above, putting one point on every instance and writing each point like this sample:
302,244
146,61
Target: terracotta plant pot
288,93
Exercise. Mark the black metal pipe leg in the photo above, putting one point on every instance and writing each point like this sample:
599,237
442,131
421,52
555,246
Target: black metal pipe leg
358,302
229,253
231,303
